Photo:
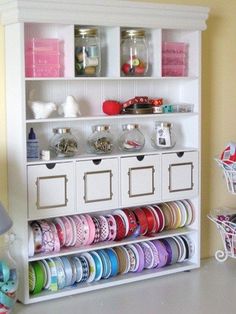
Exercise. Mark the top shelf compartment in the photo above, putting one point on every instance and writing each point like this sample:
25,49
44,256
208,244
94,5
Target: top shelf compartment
60,63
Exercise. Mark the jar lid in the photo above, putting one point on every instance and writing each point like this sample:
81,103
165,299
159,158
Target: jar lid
99,128
130,126
133,33
61,130
80,32
163,124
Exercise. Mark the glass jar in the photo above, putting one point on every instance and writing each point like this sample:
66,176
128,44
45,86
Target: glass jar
8,280
134,53
63,143
87,52
131,139
101,140
163,136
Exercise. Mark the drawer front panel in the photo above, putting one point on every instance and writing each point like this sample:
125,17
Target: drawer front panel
50,190
180,175
140,180
97,184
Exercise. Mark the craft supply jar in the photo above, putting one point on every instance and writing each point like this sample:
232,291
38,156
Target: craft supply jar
131,139
87,52
163,136
64,143
101,140
134,53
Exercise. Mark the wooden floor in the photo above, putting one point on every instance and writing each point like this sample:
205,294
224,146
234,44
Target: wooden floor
209,289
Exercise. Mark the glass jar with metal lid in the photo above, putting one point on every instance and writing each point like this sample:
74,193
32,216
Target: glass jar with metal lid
87,52
134,52
101,140
64,143
131,139
163,136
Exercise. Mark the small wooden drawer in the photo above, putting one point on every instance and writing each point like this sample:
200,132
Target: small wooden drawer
97,184
140,180
50,190
179,175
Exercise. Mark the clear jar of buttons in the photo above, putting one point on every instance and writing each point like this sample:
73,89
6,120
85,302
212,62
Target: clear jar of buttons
101,140
87,52
163,135
131,139
64,143
134,53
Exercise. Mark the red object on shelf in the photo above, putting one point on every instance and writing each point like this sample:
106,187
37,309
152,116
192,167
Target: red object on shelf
111,107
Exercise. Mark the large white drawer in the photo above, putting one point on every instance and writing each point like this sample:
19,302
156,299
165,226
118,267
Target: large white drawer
179,175
51,190
140,180
97,184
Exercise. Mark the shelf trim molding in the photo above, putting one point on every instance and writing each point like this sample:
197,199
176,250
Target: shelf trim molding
104,12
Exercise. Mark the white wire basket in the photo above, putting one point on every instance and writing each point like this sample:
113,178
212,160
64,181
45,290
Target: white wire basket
227,232
229,170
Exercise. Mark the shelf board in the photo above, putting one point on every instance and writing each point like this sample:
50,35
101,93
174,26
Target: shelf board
107,117
108,244
115,281
115,154
111,78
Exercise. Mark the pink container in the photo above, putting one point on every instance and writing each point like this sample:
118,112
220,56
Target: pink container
43,45
174,70
42,70
37,58
174,59
175,47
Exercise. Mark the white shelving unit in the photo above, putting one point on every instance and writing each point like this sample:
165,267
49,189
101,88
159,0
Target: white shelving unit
56,19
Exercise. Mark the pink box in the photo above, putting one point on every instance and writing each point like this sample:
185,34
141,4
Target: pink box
43,45
174,70
42,70
174,47
36,58
174,59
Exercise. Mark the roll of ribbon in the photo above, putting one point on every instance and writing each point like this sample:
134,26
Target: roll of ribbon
97,230
163,255
30,241
85,268
74,231
61,276
91,265
155,254
39,277
53,274
106,263
120,227
61,232
68,270
79,230
38,237
104,228
148,255
85,230
131,220
79,270
112,227
98,265
168,250
150,219
68,230
122,214
141,258
141,220
47,236
92,229
114,261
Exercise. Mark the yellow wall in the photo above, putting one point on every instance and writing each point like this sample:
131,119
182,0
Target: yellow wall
3,169
218,114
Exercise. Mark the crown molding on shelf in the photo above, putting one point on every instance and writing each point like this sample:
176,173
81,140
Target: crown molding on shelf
104,12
